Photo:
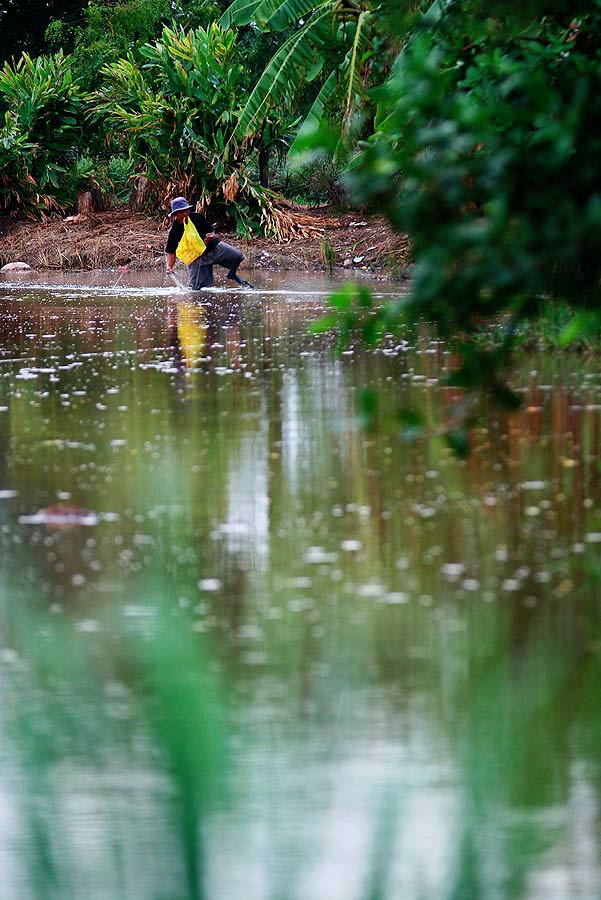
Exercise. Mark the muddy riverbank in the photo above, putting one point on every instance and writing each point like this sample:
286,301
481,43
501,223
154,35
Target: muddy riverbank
120,237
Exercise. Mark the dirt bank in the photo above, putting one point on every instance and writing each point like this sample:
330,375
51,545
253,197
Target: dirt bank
120,237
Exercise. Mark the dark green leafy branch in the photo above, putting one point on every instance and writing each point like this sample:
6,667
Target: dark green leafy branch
485,151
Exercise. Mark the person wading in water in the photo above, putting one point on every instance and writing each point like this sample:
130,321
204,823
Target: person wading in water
200,268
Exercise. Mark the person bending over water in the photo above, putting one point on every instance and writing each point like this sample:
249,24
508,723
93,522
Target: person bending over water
200,269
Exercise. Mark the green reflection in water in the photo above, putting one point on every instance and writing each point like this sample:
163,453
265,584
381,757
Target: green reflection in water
250,650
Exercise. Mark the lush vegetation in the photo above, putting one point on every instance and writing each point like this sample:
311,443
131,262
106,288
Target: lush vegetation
474,126
132,88
484,150
39,133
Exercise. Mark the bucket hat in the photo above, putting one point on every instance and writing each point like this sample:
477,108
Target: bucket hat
179,205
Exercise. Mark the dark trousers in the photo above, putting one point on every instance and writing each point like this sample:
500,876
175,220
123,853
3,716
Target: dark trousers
200,272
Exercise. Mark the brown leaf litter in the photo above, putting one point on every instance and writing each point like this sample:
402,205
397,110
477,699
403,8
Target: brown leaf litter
308,239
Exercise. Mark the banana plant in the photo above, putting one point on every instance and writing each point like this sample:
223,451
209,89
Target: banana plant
177,117
329,44
345,46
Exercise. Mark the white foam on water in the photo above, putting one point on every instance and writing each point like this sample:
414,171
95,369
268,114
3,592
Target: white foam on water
75,292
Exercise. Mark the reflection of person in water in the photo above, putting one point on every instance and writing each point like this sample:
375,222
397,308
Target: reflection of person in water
200,270
199,330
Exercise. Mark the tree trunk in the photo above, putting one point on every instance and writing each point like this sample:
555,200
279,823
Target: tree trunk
137,197
89,202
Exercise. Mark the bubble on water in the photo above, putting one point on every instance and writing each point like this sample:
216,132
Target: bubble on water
210,584
318,556
138,611
300,604
426,512
301,581
78,580
255,658
532,511
470,584
395,598
371,589
593,537
7,494
351,546
250,632
453,570
510,585
88,626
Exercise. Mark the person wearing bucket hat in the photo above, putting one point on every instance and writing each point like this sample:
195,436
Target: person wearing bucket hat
200,270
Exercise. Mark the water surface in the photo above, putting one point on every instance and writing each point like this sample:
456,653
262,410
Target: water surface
248,648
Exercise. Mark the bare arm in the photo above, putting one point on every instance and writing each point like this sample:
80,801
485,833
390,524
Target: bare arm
170,261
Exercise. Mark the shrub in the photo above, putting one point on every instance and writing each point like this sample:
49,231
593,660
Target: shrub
41,127
176,116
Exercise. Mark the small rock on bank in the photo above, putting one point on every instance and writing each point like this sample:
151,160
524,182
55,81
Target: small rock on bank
15,267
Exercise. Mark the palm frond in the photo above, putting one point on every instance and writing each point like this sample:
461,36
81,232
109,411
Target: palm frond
315,115
274,15
354,88
280,80
240,12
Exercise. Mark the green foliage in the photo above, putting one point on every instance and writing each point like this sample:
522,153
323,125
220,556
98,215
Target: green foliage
315,182
23,24
557,327
112,176
113,30
486,151
176,116
119,173
330,43
42,111
73,703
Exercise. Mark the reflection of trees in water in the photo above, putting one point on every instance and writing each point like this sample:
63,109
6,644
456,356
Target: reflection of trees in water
489,674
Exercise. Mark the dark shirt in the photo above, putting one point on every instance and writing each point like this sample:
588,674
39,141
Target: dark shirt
177,229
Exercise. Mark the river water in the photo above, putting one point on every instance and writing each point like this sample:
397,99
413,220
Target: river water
249,648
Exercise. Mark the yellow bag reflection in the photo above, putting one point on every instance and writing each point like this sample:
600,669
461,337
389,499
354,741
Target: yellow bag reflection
191,245
192,331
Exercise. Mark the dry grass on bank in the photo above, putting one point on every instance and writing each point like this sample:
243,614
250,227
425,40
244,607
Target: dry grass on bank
119,237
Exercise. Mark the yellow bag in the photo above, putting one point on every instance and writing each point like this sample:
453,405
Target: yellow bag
191,245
